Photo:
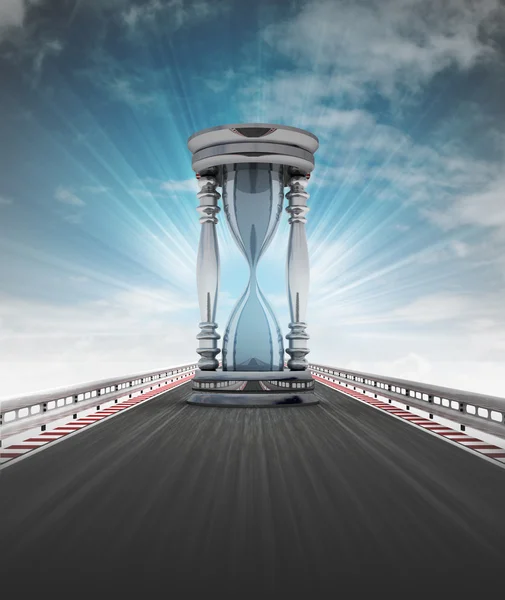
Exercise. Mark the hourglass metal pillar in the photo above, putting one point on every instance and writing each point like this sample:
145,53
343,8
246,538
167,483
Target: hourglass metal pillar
253,163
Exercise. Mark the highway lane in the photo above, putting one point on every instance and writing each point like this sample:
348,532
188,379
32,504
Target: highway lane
319,500
253,386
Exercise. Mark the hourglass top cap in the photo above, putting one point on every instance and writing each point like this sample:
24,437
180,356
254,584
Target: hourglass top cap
253,142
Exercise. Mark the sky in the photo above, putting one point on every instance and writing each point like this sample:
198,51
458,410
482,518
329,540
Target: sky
98,222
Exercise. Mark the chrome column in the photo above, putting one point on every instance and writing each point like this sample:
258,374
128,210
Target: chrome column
298,275
207,273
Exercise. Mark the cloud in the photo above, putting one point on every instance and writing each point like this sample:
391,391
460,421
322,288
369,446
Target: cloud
12,13
441,316
131,92
137,13
388,43
79,279
27,39
5,201
436,307
43,50
60,344
175,13
446,250
484,208
386,298
358,151
66,196
333,118
223,82
95,189
184,185
131,310
460,249
301,95
124,80
126,75
74,219
446,338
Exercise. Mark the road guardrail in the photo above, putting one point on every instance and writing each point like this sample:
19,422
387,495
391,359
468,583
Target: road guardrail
480,411
21,413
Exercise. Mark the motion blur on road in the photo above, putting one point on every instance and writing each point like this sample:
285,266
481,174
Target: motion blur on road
334,499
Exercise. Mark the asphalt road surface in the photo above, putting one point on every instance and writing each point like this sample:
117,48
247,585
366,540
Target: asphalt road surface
178,501
253,386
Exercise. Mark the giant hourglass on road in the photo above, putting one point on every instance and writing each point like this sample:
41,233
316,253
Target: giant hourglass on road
252,164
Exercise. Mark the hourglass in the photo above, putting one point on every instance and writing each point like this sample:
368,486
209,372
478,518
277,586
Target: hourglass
252,164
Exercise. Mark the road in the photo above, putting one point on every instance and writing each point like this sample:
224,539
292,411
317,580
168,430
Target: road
253,386
317,501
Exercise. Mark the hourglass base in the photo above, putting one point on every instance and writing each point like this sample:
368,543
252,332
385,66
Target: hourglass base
253,389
